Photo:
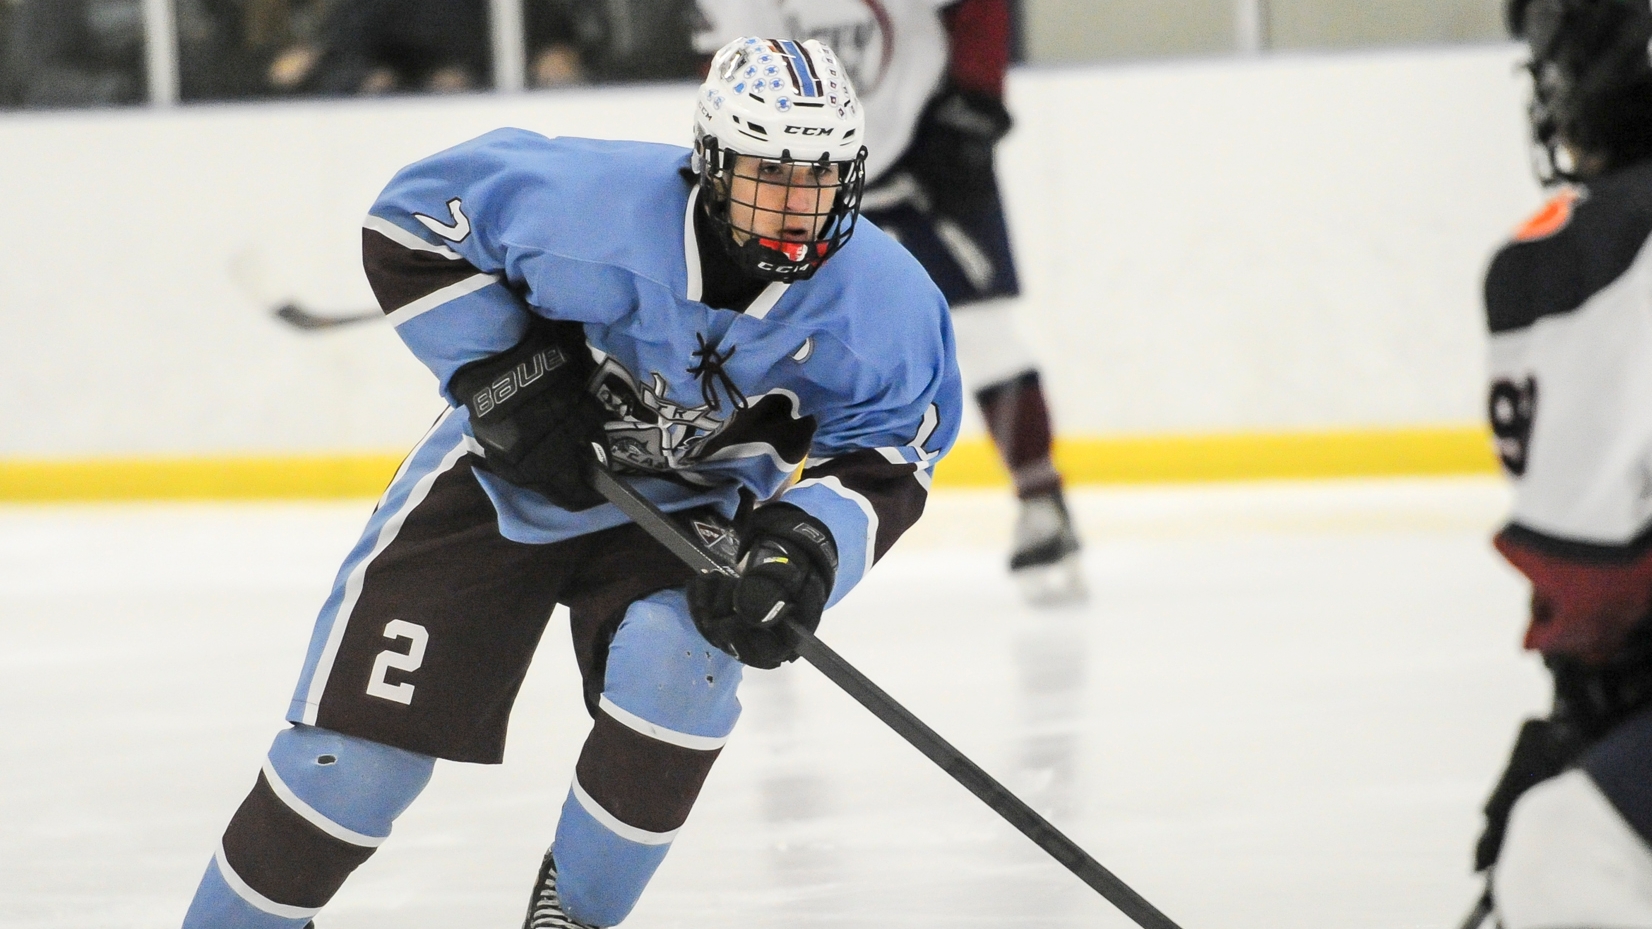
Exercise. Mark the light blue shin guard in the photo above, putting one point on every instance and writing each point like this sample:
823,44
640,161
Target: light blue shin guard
668,696
219,906
360,785
316,786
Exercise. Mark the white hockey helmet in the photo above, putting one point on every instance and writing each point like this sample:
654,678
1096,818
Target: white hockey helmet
787,103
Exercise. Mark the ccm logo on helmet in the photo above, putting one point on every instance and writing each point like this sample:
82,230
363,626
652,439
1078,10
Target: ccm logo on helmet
808,130
510,384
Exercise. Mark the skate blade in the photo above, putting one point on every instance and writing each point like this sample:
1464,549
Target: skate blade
1058,584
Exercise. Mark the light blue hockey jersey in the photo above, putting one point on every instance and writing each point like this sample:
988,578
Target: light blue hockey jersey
850,374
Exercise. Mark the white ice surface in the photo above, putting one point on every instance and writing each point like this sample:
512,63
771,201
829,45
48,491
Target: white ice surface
1281,708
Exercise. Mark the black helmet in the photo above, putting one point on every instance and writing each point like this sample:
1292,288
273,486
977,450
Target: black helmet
1591,108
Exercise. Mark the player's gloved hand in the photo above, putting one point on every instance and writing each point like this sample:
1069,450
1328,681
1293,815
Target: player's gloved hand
788,565
951,151
532,414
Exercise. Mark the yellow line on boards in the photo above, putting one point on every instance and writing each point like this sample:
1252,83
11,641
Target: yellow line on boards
1240,457
228,478
973,463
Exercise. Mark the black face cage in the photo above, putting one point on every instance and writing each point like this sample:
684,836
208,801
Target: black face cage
782,258
1585,54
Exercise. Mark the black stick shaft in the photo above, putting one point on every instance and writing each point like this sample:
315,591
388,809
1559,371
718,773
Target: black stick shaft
980,783
1482,909
649,517
840,672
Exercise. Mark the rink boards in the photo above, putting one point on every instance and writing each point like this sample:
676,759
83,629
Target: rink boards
1232,268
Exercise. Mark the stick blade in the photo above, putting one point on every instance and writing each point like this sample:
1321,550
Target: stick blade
299,318
1479,916
293,315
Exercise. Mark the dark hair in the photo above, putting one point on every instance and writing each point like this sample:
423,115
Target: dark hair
1591,82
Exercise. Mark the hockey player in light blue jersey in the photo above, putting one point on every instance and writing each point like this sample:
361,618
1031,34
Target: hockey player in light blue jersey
931,75
705,318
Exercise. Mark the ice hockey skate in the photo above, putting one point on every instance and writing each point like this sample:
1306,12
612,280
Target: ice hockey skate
545,906
1045,559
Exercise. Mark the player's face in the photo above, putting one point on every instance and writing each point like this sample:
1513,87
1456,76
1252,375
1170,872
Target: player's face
789,202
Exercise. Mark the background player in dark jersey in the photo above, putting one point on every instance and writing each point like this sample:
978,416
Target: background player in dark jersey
931,75
1569,308
757,365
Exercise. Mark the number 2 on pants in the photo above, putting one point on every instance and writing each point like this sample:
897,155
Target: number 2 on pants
410,660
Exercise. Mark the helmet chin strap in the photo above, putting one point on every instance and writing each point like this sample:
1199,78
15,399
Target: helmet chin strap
775,260
763,257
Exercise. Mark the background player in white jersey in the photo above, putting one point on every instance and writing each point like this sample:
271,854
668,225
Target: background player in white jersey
931,76
706,319
1569,307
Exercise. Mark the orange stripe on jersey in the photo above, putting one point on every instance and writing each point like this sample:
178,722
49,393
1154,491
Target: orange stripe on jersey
1554,216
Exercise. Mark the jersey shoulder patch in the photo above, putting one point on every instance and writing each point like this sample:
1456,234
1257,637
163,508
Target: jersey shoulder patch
1581,241
1553,217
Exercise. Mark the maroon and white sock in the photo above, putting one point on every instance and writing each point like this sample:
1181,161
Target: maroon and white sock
1019,422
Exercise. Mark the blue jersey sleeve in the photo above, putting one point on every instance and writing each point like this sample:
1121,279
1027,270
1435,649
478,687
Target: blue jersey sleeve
869,471
433,259
463,246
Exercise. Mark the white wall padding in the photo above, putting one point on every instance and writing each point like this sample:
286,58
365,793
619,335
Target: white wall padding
1276,243
1285,242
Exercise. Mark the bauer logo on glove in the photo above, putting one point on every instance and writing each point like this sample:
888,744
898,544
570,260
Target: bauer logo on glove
533,416
517,379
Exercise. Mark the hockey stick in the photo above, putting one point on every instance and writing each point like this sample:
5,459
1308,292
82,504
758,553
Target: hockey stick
300,318
250,273
1035,827
1482,909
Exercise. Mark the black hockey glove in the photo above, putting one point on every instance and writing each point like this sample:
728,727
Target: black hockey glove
789,563
951,150
531,412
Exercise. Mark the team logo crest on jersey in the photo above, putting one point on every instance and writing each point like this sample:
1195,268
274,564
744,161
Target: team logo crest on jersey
1553,217
654,433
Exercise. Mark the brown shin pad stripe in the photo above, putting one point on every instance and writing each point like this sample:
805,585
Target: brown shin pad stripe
283,856
643,782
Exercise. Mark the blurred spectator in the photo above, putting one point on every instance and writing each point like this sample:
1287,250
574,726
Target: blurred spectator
280,41
91,52
553,39
606,41
235,49
388,46
72,53
8,80
215,60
